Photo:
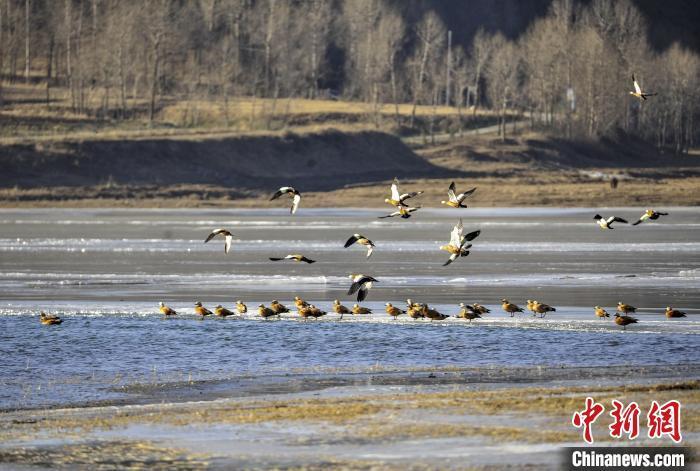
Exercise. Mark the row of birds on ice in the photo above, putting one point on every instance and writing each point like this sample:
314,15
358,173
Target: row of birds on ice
413,310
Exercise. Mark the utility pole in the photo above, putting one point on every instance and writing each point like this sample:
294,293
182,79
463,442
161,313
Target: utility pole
448,70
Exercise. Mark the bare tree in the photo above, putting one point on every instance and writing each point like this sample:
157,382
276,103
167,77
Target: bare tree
430,32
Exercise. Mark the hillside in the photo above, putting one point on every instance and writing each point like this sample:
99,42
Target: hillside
316,162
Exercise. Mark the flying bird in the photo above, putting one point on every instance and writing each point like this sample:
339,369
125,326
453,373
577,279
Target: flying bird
638,93
455,200
165,310
457,247
228,238
650,214
362,240
294,195
403,211
295,257
362,284
606,223
398,199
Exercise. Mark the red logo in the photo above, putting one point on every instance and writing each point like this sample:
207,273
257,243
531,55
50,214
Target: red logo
662,420
586,417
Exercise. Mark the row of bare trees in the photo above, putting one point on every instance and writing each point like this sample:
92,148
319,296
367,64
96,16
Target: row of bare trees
570,72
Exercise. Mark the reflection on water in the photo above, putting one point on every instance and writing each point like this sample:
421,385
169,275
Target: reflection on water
106,270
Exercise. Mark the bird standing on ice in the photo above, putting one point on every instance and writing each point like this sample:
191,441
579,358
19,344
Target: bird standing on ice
293,194
455,200
165,310
606,223
228,238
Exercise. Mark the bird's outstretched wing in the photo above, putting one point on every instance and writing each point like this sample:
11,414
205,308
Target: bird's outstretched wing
472,235
362,294
214,233
295,203
638,222
395,190
307,260
282,191
351,240
637,88
357,284
452,258
456,235
406,196
451,193
462,196
276,259
618,219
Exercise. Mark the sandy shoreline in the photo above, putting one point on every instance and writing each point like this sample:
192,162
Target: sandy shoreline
428,419
532,189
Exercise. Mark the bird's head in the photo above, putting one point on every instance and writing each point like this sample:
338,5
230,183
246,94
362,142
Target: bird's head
668,308
388,304
218,306
649,212
336,302
443,202
355,306
274,301
387,200
461,304
162,304
198,304
596,307
239,302
504,300
262,306
633,94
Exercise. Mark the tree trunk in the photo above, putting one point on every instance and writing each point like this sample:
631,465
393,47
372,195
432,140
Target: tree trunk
154,78
27,56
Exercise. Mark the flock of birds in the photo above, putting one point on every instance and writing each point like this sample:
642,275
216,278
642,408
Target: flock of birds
457,247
